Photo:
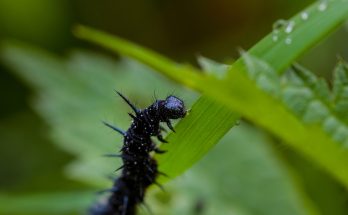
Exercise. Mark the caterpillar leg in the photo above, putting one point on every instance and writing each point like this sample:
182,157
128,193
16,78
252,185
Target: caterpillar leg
159,151
162,173
170,126
160,138
159,185
135,109
156,149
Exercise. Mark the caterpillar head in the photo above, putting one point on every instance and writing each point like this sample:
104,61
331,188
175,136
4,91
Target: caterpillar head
173,108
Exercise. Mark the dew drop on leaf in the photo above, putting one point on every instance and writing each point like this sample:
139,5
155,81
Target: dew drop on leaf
276,28
304,15
288,41
279,24
289,27
323,5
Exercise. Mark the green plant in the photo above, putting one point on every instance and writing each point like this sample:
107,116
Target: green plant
316,125
238,93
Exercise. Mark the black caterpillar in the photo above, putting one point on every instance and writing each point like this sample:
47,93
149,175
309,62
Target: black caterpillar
139,169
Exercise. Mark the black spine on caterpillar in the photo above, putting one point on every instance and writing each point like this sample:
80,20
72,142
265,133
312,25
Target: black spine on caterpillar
139,169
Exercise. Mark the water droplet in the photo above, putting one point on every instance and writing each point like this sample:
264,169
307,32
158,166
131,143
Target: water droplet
289,27
279,24
304,15
276,27
323,5
288,41
237,122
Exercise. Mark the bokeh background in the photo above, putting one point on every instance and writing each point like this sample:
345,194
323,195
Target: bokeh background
32,162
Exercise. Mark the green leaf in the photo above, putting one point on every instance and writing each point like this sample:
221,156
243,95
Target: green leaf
74,103
86,71
310,99
241,95
340,90
212,67
235,177
263,74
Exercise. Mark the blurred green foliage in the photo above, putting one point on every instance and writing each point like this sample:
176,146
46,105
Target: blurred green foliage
248,172
72,103
263,63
